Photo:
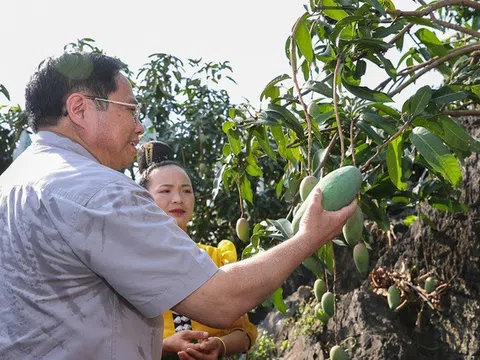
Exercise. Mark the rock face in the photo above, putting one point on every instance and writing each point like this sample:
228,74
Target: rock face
416,331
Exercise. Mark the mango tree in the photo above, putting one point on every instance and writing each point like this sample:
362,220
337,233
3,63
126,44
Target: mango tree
323,116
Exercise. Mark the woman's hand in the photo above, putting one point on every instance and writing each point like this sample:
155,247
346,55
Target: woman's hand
209,349
182,340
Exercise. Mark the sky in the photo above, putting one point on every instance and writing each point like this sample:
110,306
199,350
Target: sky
250,34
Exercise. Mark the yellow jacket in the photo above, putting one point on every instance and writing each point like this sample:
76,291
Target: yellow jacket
224,253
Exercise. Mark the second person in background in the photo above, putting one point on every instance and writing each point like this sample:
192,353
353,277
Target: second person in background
171,188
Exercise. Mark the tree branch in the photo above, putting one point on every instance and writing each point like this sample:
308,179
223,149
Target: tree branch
328,150
433,64
400,34
299,95
381,147
458,113
335,107
431,8
457,27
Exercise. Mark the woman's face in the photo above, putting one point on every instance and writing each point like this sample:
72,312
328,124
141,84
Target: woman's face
172,191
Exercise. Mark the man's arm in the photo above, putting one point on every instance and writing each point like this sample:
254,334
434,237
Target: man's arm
239,287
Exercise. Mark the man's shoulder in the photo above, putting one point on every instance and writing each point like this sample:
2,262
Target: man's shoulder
67,174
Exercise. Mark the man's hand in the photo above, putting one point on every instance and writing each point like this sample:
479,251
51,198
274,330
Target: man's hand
320,225
209,349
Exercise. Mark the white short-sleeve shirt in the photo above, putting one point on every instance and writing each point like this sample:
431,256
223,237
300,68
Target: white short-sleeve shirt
87,260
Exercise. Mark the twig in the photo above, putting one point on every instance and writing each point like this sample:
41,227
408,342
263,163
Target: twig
335,107
457,52
400,34
242,211
435,6
327,151
379,148
458,113
335,294
457,27
299,94
352,147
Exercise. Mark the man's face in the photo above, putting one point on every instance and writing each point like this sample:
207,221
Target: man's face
116,132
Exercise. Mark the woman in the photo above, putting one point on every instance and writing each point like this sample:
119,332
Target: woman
172,190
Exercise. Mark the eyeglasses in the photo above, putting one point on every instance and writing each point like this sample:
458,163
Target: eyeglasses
134,107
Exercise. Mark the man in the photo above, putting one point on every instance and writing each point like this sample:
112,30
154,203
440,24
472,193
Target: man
89,262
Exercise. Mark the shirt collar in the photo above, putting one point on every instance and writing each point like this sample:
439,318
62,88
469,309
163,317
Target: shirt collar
52,139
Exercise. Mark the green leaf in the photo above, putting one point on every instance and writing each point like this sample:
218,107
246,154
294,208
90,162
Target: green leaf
279,187
277,300
246,189
270,89
419,101
452,133
379,122
377,6
394,162
431,41
325,254
374,212
262,137
387,110
447,95
234,141
382,32
367,94
289,120
409,220
436,154
279,137
319,87
283,226
303,38
5,92
331,13
217,182
371,133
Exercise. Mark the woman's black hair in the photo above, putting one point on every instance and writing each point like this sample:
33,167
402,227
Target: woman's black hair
153,152
154,155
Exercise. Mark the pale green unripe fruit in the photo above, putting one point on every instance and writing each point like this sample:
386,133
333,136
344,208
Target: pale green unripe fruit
393,297
306,186
242,229
319,288
430,285
328,303
361,258
320,314
337,353
353,228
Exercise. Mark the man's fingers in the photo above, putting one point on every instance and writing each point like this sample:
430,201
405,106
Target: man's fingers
349,210
318,196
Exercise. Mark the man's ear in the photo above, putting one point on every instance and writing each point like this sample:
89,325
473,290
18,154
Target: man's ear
77,107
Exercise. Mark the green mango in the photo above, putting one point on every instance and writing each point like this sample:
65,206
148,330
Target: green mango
361,258
339,188
353,228
328,303
393,297
306,186
319,288
320,314
337,353
242,229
